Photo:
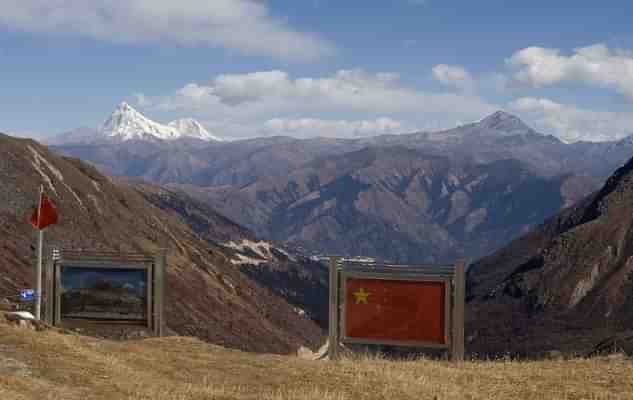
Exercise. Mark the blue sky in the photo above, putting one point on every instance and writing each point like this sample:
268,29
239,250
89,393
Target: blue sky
318,67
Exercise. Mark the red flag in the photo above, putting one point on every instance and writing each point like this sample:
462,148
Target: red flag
395,310
45,214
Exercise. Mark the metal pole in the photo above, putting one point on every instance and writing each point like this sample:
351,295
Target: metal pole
40,247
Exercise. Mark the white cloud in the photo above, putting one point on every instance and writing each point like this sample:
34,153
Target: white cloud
242,25
348,102
595,65
453,75
311,127
347,90
571,123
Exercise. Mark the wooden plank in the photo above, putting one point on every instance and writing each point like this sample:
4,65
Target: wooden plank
413,345
334,310
401,276
85,255
457,345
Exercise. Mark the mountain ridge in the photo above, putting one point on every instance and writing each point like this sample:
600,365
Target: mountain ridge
567,284
256,181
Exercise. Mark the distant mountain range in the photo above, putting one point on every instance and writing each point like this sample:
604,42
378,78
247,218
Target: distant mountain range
436,195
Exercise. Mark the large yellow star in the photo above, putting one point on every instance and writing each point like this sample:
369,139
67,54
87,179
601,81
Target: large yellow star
361,296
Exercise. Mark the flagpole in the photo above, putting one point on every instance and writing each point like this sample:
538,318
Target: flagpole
38,286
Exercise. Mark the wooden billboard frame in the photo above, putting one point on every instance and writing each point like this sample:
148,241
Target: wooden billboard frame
452,275
154,264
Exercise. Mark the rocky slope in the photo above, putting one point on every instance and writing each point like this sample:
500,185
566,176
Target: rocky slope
568,283
297,279
208,296
396,203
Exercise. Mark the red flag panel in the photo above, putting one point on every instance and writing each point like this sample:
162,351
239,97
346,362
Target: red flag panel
45,214
395,310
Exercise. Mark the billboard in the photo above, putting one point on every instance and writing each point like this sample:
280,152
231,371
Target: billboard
395,310
402,305
101,290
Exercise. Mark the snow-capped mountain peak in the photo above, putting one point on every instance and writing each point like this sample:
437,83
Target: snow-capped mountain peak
502,121
189,127
125,123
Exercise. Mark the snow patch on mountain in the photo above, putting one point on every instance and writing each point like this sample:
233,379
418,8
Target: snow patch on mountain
37,166
245,260
255,252
261,248
40,160
189,127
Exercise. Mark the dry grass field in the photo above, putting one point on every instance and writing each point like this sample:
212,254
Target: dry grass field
52,365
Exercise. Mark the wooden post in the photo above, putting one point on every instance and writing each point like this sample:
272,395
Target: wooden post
160,266
459,295
333,349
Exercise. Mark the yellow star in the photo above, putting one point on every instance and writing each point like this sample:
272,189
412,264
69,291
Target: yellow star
361,296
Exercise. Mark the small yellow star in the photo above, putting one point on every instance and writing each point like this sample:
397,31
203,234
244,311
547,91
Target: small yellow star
361,296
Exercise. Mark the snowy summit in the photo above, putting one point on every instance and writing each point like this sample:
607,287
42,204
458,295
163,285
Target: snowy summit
189,127
125,123
503,122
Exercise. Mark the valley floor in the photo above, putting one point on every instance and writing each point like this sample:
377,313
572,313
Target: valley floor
52,365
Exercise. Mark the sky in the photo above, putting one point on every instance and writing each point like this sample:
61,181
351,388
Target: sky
343,68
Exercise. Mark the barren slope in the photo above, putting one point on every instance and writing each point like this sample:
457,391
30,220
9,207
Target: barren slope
568,283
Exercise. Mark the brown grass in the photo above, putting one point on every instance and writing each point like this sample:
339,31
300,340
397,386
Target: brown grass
63,366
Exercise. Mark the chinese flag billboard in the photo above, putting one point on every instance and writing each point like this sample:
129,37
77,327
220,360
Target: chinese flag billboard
395,310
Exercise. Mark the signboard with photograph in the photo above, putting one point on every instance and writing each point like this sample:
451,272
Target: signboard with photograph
102,288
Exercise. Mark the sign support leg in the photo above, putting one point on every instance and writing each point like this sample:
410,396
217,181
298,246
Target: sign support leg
457,345
160,263
334,310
